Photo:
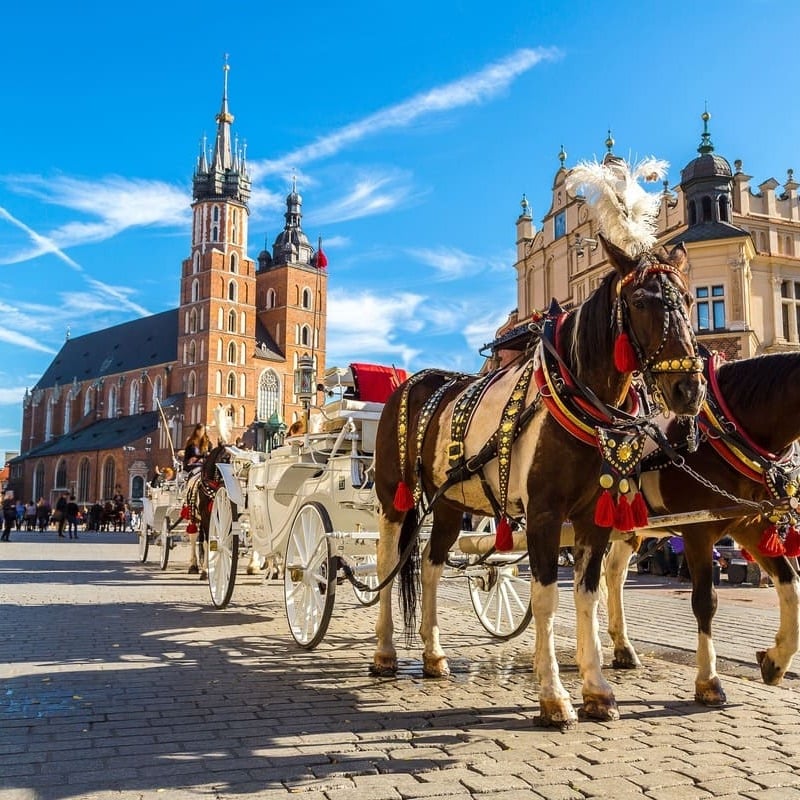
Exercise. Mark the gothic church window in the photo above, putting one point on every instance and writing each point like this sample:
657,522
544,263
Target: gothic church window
109,478
231,321
234,262
196,263
87,402
111,411
83,480
191,385
231,385
133,402
61,474
192,352
157,392
306,301
232,291
67,413
193,321
268,393
232,353
38,480
195,296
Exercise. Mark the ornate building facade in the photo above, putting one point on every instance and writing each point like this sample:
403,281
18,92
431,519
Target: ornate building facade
743,245
114,403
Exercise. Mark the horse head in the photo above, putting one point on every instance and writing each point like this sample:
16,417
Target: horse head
653,325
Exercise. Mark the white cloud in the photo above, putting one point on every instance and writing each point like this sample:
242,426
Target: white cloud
466,91
364,325
449,262
11,396
21,340
375,193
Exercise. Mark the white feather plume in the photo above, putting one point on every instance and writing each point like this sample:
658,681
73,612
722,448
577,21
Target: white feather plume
626,214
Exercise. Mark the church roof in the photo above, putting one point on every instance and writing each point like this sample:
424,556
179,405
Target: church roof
266,348
138,344
105,434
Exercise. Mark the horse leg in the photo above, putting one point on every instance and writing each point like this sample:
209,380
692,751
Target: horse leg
697,552
616,569
385,658
598,698
555,706
202,554
194,569
776,660
255,566
444,532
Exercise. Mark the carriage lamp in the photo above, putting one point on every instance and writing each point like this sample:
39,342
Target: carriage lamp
304,380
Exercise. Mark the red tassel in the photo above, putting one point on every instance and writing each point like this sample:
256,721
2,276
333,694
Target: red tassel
771,544
639,509
791,544
605,510
191,528
503,538
625,359
747,557
403,499
623,520
186,512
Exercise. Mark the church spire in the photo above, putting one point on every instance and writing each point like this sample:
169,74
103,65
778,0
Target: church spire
225,176
223,158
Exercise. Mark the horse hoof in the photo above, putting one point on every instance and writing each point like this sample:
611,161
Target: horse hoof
600,708
383,667
771,673
710,693
203,575
252,571
626,658
435,667
193,569
556,714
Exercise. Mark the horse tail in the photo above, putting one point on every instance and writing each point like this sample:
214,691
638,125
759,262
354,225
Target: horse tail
409,572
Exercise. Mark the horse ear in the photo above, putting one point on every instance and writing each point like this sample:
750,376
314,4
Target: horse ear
679,258
619,259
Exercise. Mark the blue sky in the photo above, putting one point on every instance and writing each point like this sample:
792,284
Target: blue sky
414,128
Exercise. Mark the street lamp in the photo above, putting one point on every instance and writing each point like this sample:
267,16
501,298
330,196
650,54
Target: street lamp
304,382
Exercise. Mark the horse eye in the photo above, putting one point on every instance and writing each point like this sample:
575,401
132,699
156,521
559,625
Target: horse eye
638,299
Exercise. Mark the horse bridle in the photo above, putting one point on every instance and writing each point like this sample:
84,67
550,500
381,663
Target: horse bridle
672,302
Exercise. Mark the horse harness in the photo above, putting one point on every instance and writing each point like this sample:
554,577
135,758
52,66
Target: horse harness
616,433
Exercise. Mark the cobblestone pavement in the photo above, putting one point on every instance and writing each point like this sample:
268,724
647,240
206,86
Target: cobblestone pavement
120,681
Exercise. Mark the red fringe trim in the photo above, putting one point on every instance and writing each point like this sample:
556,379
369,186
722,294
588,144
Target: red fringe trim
403,498
625,359
503,538
747,557
623,521
605,510
770,543
639,509
186,512
191,528
791,544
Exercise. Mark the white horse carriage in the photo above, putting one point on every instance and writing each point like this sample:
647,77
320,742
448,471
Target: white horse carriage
310,507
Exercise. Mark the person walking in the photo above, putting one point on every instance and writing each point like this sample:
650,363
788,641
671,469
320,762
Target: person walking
42,514
72,517
60,514
9,515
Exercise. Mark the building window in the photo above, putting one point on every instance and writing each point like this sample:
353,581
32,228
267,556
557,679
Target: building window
157,390
710,308
195,291
232,353
234,258
196,263
231,321
723,208
38,481
306,299
272,298
692,213
84,471
61,474
232,291
231,385
560,225
133,405
269,387
109,478
67,413
192,355
111,411
191,385
707,217
193,321
790,310
87,401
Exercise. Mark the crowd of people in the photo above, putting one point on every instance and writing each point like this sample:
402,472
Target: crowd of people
66,516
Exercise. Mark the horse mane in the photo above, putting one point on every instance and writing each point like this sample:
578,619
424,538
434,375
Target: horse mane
587,334
745,384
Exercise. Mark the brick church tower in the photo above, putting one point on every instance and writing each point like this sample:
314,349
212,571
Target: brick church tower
241,332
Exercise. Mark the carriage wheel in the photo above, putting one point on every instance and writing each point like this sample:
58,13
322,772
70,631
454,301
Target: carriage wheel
309,580
371,579
166,543
223,549
144,542
501,599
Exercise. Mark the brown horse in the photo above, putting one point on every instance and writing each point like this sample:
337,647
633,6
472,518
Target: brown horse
548,475
762,395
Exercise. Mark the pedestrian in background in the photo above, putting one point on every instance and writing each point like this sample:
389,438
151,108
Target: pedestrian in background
72,517
9,515
60,513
